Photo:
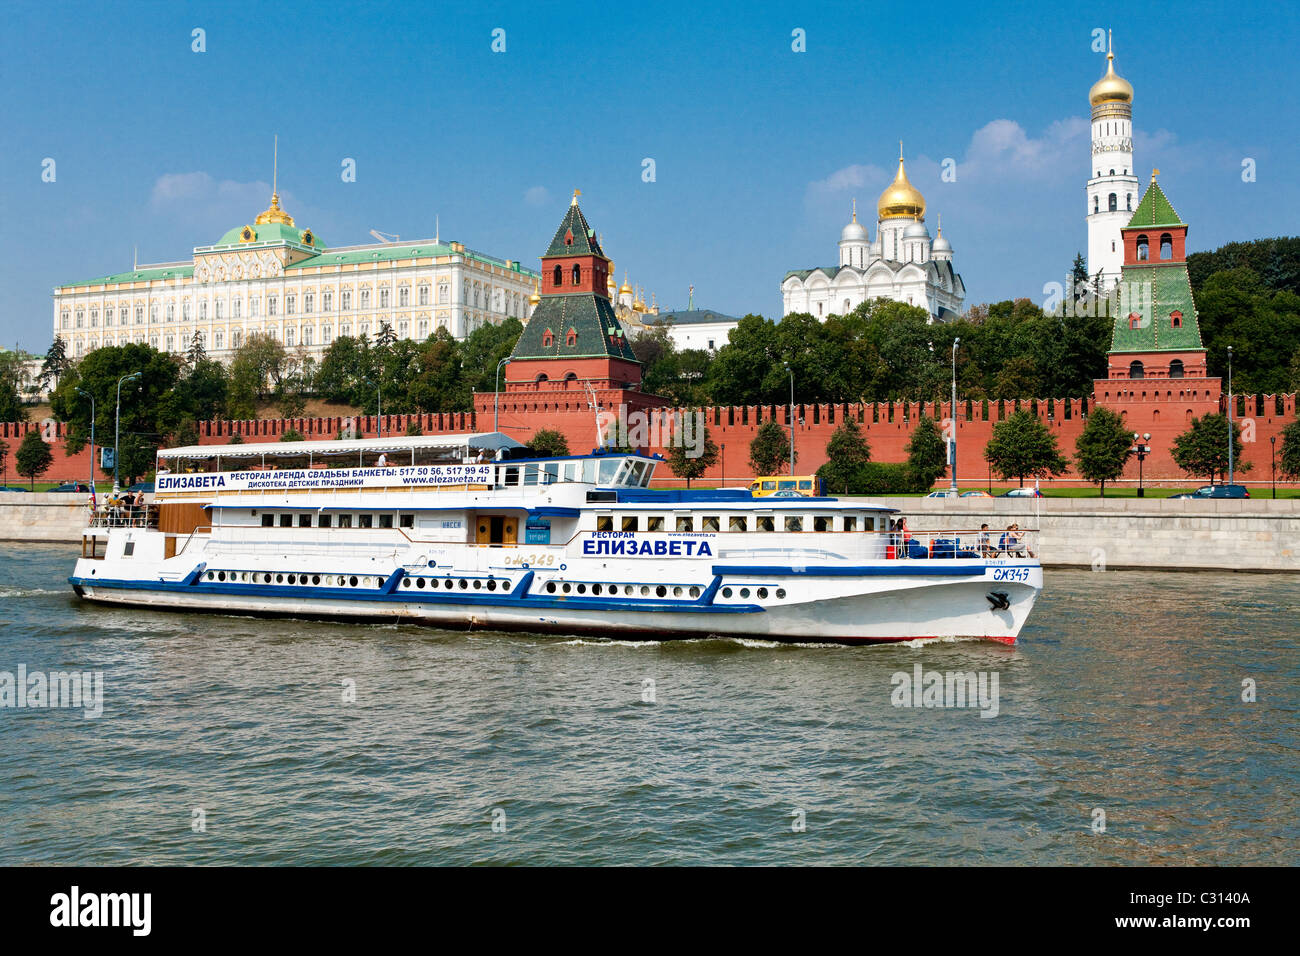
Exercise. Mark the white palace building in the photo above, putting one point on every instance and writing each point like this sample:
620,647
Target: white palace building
273,278
902,263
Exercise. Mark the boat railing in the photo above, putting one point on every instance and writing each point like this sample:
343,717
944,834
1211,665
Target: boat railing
122,516
1012,542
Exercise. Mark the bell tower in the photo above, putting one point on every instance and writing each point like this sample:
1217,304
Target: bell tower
1112,190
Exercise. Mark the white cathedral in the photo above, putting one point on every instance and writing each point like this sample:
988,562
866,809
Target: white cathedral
1113,190
902,264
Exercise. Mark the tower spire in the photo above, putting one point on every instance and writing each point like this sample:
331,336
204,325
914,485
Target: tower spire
275,165
855,209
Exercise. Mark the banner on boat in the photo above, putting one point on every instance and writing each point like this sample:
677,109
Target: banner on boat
327,478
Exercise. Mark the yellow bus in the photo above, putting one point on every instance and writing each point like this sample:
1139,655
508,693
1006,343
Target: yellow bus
808,485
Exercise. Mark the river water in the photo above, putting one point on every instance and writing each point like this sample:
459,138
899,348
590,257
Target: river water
1121,737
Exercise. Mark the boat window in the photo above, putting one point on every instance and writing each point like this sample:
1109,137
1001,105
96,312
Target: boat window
654,523
345,521
268,521
286,521
685,524
764,523
736,523
850,523
589,470
323,521
629,523
304,520
571,471
604,522
709,523
512,475
822,523
793,523
367,521
385,521
128,549
608,469
550,473
530,474
405,521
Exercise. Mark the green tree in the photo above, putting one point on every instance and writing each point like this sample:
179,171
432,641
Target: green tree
549,443
236,439
480,353
769,452
433,382
1103,448
256,370
292,435
927,454
196,353
55,364
690,462
1203,448
138,458
187,433
34,457
11,378
846,453
413,428
1022,447
4,462
1288,461
206,388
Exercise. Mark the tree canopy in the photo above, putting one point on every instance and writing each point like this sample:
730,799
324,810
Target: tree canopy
1022,447
1103,448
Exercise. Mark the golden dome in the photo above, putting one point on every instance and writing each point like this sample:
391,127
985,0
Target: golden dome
625,289
535,297
1111,88
901,199
274,213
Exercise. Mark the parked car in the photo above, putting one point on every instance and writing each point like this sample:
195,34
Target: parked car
1217,491
976,494
73,486
946,493
145,486
14,488
775,494
1022,493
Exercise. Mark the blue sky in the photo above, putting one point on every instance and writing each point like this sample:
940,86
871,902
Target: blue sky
758,149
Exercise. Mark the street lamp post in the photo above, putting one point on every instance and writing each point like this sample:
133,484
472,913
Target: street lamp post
1272,468
82,391
1230,441
952,445
496,397
1142,449
791,371
723,477
117,426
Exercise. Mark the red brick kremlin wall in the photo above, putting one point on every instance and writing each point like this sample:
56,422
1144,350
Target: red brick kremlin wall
887,426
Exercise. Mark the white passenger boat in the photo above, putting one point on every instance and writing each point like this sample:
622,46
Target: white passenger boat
472,531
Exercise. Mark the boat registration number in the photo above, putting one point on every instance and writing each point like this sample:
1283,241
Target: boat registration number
530,560
1010,574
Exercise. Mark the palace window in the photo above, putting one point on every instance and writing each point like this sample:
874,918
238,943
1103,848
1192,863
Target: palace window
81,319
423,327
345,328
365,298
404,297
170,312
171,343
122,314
203,310
65,320
308,302
272,305
345,300
252,307
327,301
94,318
220,339
236,338
139,315
221,309
290,304
185,311
325,333
444,293
236,308
424,295
306,335
153,314
383,298
153,341
402,328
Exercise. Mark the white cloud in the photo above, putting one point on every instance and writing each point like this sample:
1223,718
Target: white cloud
201,189
1002,149
537,196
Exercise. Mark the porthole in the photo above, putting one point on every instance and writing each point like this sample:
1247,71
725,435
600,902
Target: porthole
582,589
419,583
244,577
695,592
726,592
550,587
447,584
567,587
780,592
266,578
209,576
292,580
612,588
762,592
279,579
221,575
627,589
464,585
352,581
677,592
744,592
661,590
492,585
644,590
477,584
315,579
406,582
342,580
596,589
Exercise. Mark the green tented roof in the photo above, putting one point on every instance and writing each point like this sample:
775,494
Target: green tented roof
584,237
1154,292
600,333
1154,210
